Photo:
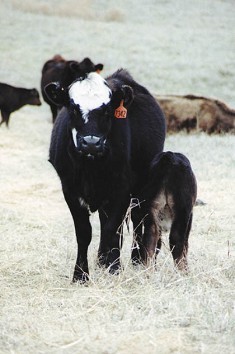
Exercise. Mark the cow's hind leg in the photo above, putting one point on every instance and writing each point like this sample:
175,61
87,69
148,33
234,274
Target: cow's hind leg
179,234
137,243
138,222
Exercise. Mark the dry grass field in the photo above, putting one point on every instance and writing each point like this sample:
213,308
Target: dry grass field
172,47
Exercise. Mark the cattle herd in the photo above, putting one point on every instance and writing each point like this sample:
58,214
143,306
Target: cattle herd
107,147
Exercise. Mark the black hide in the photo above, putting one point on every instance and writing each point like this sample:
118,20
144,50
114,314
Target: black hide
106,183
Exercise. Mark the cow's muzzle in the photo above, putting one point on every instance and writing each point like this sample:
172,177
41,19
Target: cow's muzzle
91,145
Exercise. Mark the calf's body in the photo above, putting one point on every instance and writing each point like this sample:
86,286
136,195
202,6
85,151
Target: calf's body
13,98
167,202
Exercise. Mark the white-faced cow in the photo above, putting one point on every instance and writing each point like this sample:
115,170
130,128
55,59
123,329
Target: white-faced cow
166,201
196,113
102,144
13,98
65,72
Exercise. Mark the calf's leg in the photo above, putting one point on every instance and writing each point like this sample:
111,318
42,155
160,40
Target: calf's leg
5,118
178,240
151,240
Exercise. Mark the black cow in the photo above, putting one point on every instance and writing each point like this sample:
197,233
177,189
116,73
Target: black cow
13,98
102,154
166,201
65,72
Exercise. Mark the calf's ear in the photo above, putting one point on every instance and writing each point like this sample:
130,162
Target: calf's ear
57,94
124,93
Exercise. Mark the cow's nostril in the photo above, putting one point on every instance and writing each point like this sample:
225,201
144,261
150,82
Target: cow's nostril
84,142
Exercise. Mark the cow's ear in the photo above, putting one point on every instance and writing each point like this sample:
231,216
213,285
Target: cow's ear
128,94
57,94
99,68
124,93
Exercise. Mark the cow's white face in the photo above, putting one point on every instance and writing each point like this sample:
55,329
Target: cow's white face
90,93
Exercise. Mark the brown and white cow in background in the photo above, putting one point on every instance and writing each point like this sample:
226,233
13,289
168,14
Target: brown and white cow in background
196,113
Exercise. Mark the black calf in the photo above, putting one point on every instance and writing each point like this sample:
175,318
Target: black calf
13,98
168,198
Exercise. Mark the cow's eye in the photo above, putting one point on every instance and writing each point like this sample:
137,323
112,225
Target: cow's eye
75,118
74,113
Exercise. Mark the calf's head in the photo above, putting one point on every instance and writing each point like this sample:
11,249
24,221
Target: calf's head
33,97
91,105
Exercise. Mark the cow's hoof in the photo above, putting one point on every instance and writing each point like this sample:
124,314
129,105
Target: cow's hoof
182,265
81,278
115,268
136,257
102,260
136,262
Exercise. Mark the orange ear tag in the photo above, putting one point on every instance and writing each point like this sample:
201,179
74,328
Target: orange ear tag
121,111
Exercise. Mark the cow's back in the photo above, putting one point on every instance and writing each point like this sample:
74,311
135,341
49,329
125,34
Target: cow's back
148,128
172,173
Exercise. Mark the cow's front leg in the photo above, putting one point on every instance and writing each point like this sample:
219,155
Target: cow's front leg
114,236
111,221
103,247
83,233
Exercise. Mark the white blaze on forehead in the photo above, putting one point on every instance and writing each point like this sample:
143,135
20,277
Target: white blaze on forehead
90,93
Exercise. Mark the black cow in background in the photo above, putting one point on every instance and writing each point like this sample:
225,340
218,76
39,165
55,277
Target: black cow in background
65,72
13,98
102,154
166,201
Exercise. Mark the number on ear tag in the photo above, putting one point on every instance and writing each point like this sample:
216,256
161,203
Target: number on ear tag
121,111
